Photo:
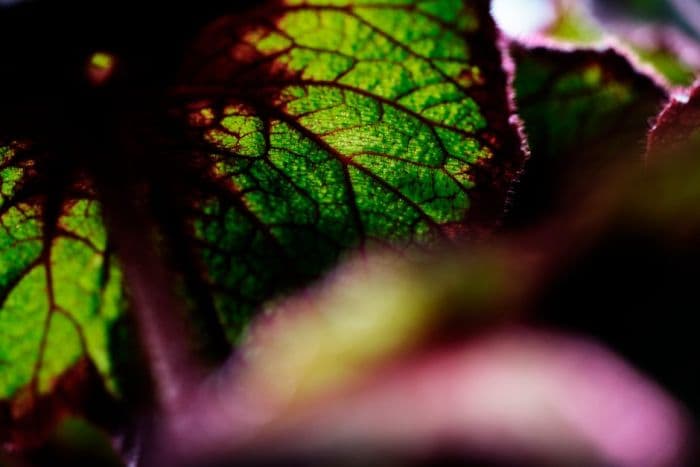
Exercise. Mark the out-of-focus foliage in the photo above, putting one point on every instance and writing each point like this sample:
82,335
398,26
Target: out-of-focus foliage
583,111
573,24
584,99
673,12
677,127
646,30
371,311
373,362
77,442
673,147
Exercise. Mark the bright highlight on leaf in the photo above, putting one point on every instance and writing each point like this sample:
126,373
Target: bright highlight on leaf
338,125
100,68
101,60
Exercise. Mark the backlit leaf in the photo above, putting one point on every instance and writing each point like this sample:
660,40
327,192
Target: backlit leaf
59,290
330,125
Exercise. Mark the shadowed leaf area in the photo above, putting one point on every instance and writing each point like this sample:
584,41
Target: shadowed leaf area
334,125
584,111
642,264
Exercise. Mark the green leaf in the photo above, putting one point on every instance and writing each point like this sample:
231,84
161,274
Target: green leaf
584,111
60,292
333,125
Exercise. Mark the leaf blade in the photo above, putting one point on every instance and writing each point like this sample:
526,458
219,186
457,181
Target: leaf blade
337,125
59,295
